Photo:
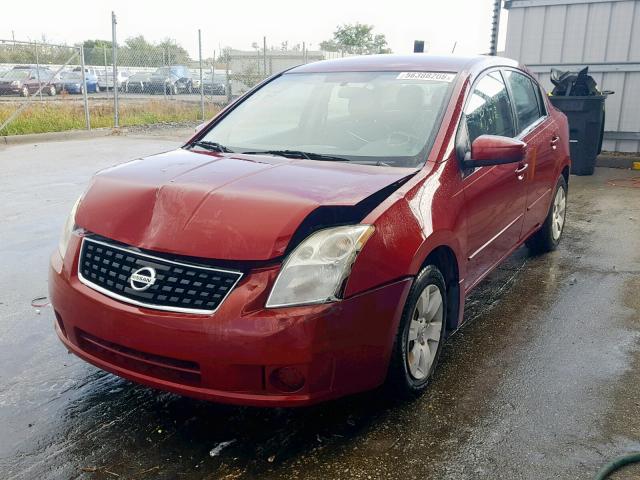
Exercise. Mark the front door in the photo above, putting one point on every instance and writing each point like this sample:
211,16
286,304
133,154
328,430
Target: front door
495,196
540,132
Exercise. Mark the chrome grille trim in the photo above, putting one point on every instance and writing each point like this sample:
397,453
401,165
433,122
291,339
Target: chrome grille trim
139,303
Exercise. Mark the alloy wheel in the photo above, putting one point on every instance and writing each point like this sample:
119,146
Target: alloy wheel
558,215
424,332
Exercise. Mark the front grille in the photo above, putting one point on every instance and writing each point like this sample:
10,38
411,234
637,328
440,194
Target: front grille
172,369
159,283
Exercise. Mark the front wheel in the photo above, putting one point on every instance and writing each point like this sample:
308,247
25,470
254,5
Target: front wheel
51,90
548,237
420,334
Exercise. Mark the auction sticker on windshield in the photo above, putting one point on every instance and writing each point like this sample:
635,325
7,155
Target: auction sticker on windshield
437,76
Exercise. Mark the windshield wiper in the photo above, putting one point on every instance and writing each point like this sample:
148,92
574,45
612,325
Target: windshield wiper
213,146
299,154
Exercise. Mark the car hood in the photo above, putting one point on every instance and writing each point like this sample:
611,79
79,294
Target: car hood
221,206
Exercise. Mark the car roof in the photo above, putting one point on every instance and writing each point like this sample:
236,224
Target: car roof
415,62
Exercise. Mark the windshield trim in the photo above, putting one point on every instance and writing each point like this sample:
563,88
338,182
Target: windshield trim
423,154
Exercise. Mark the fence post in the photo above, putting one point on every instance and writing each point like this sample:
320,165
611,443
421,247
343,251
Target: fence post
38,69
264,55
201,84
106,72
228,80
164,88
114,59
84,90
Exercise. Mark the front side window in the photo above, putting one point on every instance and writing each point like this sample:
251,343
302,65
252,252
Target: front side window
384,118
524,99
488,111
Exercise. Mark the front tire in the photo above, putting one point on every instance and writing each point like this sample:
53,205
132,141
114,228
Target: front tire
420,335
548,237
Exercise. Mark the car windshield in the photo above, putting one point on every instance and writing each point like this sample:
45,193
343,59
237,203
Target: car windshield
384,118
16,74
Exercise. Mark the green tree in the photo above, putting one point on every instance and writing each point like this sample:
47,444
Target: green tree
357,38
176,53
95,50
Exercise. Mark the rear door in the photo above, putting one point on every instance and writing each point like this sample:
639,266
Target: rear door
540,132
495,195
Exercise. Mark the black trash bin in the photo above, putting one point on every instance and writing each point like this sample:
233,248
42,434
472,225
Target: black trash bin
586,129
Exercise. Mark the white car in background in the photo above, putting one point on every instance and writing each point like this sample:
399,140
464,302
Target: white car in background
105,78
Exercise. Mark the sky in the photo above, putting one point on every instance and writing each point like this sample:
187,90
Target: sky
239,23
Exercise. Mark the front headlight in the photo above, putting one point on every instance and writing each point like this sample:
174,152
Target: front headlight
15,83
317,268
68,228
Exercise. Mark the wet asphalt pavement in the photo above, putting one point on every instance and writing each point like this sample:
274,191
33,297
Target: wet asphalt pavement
542,382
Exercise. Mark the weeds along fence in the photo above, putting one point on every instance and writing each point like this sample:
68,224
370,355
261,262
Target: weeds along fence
46,87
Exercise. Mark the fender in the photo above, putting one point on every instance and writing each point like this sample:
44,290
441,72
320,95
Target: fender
409,226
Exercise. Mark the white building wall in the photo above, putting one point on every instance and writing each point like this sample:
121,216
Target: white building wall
572,34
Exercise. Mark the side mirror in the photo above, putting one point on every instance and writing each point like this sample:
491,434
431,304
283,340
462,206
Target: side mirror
495,150
201,126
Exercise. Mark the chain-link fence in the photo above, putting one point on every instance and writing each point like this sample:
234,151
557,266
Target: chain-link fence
46,87
33,97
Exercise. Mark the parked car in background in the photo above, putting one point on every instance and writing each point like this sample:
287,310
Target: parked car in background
105,78
27,80
71,82
172,80
136,82
91,78
318,237
214,83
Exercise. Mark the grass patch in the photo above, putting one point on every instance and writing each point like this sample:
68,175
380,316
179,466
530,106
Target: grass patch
61,115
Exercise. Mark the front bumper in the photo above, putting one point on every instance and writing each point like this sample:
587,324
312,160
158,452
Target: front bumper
71,88
7,90
231,355
156,86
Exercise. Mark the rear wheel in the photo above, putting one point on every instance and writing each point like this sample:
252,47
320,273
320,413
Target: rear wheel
548,237
420,334
25,91
51,90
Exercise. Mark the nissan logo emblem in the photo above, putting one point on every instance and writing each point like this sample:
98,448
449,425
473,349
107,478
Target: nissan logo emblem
142,278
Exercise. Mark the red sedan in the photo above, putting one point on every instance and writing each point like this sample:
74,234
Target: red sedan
319,236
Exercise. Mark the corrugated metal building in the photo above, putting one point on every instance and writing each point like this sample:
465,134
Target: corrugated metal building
571,34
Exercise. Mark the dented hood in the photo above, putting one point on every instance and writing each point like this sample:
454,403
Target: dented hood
221,206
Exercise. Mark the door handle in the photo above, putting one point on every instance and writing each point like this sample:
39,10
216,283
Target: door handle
520,171
554,140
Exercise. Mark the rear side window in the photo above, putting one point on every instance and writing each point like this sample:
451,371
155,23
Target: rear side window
525,98
488,111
